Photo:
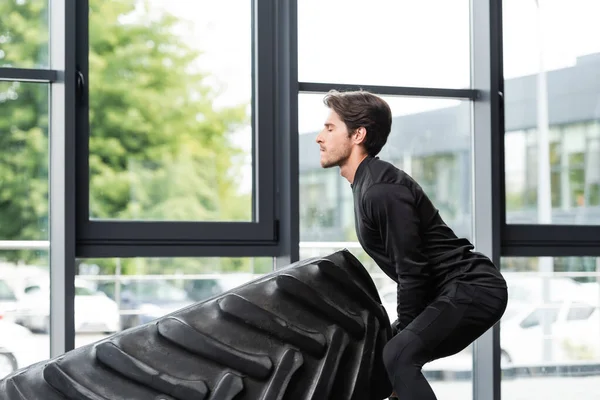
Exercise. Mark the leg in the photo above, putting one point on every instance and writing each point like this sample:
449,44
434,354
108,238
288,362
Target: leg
486,309
445,327
404,356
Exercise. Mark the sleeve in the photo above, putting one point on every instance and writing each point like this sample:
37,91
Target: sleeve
391,209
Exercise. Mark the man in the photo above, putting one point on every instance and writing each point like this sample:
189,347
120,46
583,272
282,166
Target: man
448,295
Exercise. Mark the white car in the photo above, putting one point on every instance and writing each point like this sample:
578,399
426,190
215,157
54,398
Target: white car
94,310
563,331
15,346
8,300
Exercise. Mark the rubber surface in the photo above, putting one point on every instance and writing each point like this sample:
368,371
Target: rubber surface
313,330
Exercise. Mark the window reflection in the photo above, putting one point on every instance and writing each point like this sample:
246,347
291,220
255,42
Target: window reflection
574,172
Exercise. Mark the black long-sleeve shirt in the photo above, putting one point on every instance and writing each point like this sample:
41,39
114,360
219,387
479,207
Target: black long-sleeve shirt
398,226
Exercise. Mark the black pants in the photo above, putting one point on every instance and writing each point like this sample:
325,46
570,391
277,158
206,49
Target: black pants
461,314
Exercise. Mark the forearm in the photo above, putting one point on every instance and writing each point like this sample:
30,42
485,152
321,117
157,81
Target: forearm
412,299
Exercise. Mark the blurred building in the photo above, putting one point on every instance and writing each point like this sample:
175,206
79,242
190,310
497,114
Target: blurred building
435,148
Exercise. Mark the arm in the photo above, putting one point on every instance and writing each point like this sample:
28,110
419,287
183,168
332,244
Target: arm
391,208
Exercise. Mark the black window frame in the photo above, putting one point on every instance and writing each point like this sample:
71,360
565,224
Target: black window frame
530,240
131,238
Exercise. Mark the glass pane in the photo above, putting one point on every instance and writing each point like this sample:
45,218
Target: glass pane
24,34
431,140
385,42
551,328
23,224
23,161
551,63
125,293
24,314
171,110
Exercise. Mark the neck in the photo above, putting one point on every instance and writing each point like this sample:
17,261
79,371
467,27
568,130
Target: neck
348,169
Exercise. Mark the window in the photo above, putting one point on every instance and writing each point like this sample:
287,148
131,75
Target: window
442,177
388,46
319,204
83,291
6,293
568,152
431,140
580,312
516,170
23,307
592,167
24,34
24,181
550,329
539,316
35,289
125,293
562,190
176,148
422,130
187,156
24,162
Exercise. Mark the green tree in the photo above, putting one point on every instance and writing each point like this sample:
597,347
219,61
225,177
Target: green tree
23,164
24,33
159,149
23,127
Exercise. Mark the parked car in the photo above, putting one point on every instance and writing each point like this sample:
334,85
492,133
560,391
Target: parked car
144,300
200,289
14,342
94,311
8,301
571,333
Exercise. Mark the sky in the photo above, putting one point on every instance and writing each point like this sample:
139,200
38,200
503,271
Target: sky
385,42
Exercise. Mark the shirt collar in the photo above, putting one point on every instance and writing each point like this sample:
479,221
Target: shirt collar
360,171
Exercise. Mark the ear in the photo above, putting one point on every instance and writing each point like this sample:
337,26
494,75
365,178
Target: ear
360,135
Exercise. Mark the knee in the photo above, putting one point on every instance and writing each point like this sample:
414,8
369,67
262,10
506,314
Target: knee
399,353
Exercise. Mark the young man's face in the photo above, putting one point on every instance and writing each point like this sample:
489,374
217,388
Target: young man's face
334,141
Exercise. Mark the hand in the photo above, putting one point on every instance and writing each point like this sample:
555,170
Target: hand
395,327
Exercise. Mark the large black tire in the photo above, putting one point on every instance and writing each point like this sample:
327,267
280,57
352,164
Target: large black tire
313,330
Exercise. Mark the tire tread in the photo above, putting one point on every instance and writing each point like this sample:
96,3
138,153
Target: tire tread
311,331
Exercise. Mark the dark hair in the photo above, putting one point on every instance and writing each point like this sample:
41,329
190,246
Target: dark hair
363,109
